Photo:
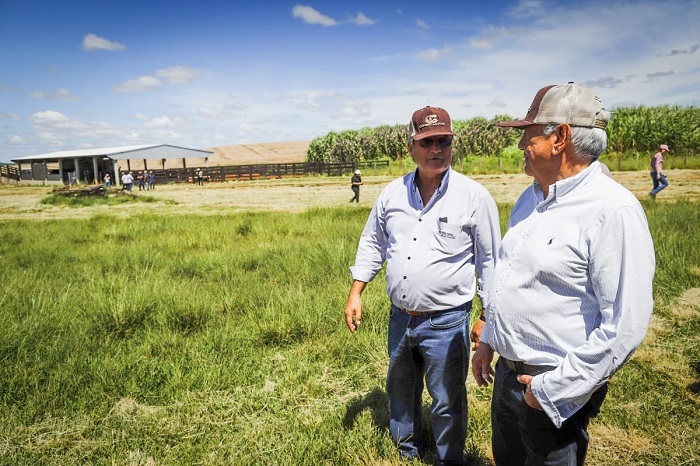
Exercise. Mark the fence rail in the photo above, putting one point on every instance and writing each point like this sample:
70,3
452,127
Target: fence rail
222,173
10,172
262,171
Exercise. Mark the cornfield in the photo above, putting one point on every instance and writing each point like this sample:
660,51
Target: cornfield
632,131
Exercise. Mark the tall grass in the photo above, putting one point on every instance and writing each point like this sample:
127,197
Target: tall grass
220,340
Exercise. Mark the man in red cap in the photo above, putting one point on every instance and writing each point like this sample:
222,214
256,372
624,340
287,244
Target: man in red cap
657,171
437,230
571,294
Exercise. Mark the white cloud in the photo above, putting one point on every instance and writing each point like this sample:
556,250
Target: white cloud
163,122
60,95
51,117
92,42
422,24
361,20
687,51
144,83
526,8
312,16
178,74
607,82
481,43
16,139
498,102
9,116
434,54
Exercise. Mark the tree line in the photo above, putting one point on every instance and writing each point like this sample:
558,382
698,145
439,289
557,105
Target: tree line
632,130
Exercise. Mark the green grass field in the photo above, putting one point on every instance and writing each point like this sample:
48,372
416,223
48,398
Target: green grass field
219,340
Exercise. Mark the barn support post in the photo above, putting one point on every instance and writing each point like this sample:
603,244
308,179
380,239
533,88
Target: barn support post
76,163
145,165
94,170
60,169
117,175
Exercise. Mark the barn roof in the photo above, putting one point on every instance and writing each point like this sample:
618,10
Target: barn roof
150,151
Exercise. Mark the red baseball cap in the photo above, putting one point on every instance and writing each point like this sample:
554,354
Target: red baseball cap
430,121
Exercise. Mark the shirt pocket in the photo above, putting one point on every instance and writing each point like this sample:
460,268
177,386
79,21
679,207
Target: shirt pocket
447,238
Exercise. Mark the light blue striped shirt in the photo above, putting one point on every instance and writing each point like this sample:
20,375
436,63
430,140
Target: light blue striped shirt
572,287
432,252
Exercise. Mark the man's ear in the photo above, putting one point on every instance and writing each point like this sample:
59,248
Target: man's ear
562,138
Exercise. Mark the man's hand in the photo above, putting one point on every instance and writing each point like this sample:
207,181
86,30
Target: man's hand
529,397
475,334
353,312
481,365
353,308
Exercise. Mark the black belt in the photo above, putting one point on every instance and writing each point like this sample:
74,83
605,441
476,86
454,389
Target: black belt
523,368
464,307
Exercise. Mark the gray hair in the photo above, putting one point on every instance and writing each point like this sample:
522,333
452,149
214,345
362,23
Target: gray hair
588,143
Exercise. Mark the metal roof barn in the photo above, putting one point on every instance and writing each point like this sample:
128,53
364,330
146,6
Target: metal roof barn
90,165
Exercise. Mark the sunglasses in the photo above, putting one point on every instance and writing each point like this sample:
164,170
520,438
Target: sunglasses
442,142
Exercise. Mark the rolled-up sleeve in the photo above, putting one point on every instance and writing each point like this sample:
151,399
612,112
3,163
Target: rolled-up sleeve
486,232
371,251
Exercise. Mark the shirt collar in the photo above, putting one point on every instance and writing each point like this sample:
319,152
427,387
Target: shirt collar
563,187
441,189
443,182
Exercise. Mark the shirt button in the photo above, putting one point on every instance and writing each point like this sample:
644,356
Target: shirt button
420,219
409,258
403,296
404,277
414,239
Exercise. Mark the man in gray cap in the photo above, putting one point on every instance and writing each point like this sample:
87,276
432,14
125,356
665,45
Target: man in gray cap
571,295
437,230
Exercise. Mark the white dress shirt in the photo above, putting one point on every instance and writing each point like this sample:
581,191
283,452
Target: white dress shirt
573,287
433,251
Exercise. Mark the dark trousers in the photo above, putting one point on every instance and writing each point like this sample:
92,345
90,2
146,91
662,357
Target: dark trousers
526,436
356,190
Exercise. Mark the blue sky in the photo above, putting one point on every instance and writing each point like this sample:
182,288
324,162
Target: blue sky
79,74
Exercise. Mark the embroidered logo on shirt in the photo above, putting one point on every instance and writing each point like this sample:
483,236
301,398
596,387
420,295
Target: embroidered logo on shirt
446,234
551,240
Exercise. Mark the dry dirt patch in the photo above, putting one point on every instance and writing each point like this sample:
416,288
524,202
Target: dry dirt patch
298,194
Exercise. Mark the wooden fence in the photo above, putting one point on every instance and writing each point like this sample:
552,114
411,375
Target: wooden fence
234,172
10,172
261,171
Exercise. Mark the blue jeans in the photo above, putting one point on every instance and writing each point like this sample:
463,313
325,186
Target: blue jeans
659,184
435,347
526,436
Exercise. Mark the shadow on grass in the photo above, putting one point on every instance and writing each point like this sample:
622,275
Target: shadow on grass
377,402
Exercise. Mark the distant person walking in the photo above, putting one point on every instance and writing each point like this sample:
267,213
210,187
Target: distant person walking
141,181
152,179
108,180
657,171
355,184
200,177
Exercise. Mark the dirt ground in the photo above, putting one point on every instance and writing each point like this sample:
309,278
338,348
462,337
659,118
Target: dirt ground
295,195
